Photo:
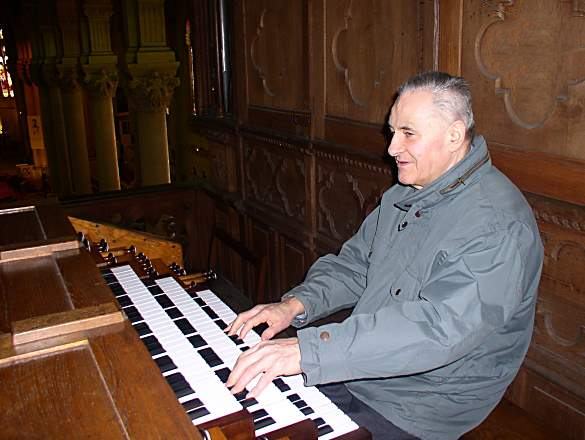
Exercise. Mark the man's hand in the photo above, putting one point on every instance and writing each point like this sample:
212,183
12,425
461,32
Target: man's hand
278,316
273,358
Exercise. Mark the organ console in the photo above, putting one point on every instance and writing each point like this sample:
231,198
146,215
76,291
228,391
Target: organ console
134,349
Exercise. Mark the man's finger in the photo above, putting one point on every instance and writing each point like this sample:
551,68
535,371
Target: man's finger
268,334
251,323
247,375
242,318
264,381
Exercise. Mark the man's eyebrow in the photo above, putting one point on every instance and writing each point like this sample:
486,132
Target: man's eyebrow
402,127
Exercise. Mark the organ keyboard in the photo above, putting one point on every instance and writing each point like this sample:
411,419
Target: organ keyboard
183,329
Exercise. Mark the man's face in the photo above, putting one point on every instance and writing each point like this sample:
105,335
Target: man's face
420,141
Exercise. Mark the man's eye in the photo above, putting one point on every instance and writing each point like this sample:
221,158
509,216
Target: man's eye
408,134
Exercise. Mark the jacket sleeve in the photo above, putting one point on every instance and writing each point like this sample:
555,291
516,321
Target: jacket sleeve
467,296
335,282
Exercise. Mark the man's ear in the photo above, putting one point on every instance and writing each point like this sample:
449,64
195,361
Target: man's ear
456,135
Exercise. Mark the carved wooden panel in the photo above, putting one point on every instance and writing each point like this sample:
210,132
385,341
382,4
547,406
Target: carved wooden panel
275,178
371,47
348,188
276,53
525,62
294,262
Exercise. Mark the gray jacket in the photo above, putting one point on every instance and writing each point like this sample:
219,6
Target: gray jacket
444,282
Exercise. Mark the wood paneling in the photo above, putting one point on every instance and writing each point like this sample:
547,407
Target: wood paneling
261,240
524,61
276,53
275,178
371,47
294,262
347,189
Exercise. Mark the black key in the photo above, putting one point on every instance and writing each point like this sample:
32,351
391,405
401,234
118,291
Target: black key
325,429
236,339
210,357
263,422
118,293
133,314
192,404
192,294
174,313
293,397
164,301
300,404
244,347
153,345
124,301
307,410
155,290
197,341
200,412
200,302
117,289
259,413
165,364
223,374
319,421
185,326
241,395
148,282
179,385
281,385
260,328
248,402
210,312
221,324
142,328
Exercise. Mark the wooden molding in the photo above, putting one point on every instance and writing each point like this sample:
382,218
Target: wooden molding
71,321
450,24
541,173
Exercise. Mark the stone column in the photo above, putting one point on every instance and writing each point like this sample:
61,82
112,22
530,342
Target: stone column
150,93
101,86
55,133
150,82
101,78
74,117
44,45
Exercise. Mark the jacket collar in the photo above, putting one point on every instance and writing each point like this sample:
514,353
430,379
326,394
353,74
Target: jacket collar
469,170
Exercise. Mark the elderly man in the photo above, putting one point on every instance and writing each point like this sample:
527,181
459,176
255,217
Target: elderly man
442,276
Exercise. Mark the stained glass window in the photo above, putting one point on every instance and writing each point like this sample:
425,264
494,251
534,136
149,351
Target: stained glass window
5,79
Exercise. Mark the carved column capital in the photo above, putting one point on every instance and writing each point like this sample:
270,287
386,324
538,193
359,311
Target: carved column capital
69,79
101,81
152,90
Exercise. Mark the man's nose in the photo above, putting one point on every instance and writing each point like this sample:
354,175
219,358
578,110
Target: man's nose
394,145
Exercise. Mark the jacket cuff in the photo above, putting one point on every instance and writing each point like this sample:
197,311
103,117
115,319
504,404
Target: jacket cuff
322,359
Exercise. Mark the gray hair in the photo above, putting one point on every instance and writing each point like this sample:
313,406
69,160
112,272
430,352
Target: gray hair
451,95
